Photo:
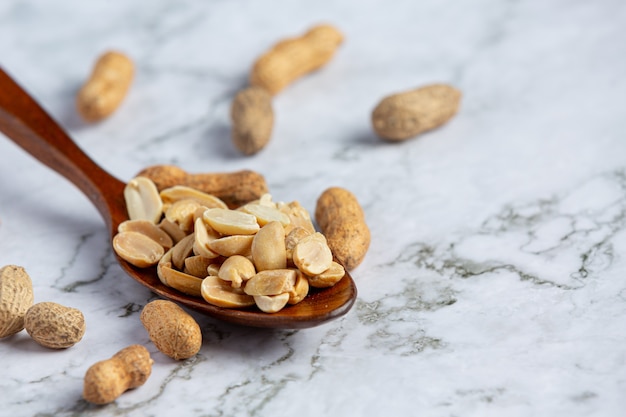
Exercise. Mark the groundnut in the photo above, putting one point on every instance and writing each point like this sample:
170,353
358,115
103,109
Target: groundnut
232,245
143,200
329,277
342,221
271,303
137,249
180,192
106,87
268,247
236,269
219,293
312,255
300,289
231,222
149,229
271,282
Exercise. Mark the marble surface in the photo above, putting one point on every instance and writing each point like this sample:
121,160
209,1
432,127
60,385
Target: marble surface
494,284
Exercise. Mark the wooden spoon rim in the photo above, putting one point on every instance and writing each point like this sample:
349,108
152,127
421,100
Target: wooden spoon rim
318,307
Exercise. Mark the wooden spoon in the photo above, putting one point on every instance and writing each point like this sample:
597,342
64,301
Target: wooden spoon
29,126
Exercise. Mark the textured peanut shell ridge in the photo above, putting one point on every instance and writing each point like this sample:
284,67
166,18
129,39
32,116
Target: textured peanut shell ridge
54,326
106,87
16,297
233,188
294,57
138,364
105,381
252,118
174,332
108,379
342,220
405,115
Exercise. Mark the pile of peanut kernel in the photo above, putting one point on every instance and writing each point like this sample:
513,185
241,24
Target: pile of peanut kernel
263,253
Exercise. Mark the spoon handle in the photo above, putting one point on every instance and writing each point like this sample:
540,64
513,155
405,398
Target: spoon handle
28,125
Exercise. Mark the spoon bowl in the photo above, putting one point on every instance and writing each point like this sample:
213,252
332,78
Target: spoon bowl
25,122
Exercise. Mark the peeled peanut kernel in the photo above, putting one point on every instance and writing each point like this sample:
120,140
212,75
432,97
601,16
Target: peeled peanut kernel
218,292
197,266
300,290
202,238
293,237
166,260
298,216
182,250
213,269
312,255
198,214
181,192
137,249
232,245
182,213
265,200
271,303
236,269
231,222
149,229
268,247
329,277
265,213
185,283
143,200
172,230
271,282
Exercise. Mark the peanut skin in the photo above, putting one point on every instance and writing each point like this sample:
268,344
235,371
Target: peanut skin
292,58
106,380
252,119
106,88
234,188
405,115
341,219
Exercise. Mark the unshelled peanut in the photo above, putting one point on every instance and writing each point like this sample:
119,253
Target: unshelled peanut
172,330
342,220
252,119
54,326
233,188
106,87
292,58
106,380
16,297
405,115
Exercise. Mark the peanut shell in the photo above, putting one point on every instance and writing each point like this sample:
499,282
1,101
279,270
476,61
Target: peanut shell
404,115
16,297
252,119
54,326
172,330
